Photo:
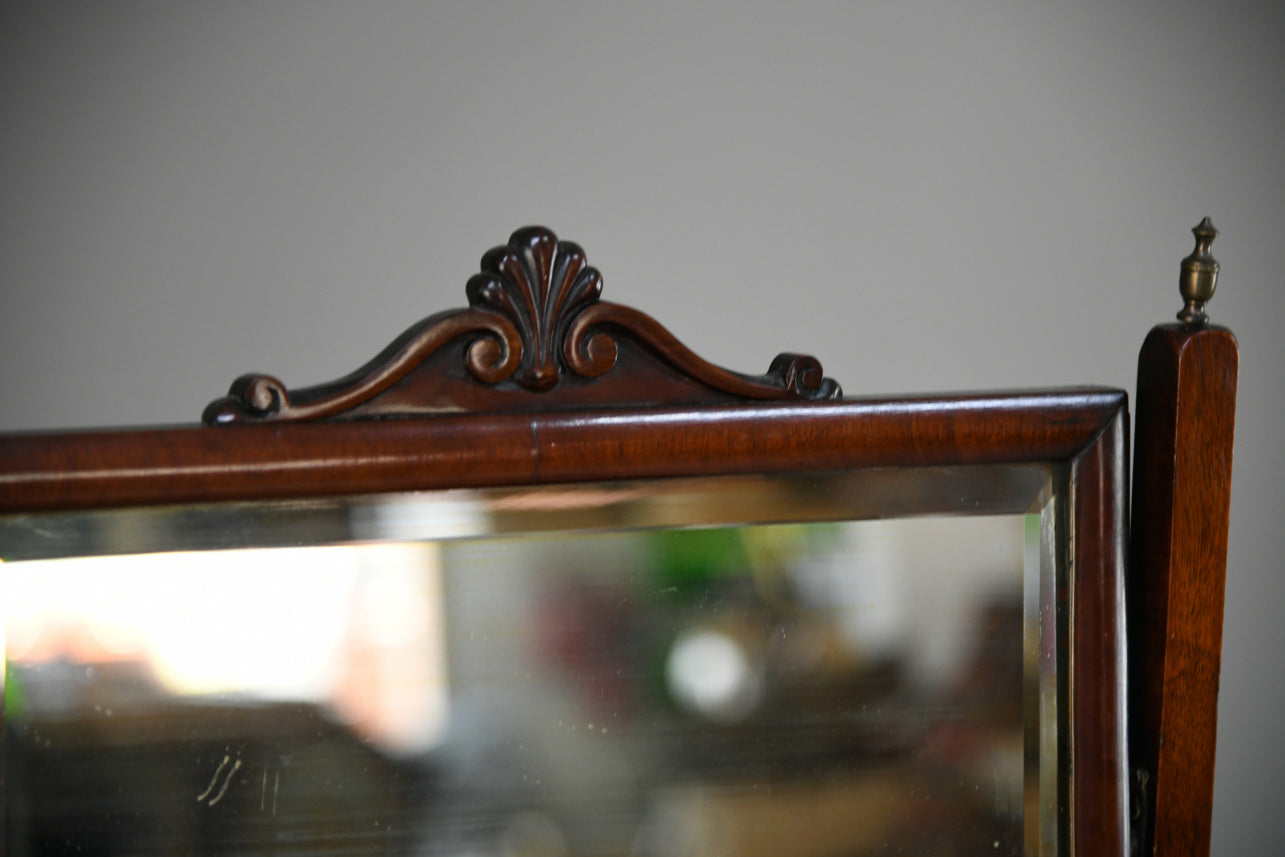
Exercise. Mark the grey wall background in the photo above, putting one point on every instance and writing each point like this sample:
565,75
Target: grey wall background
925,195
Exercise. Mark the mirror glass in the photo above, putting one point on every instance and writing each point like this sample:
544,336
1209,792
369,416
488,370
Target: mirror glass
838,664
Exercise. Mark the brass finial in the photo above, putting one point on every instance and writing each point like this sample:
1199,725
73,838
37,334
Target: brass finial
1199,275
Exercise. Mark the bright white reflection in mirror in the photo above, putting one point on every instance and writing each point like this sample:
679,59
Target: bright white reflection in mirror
709,673
833,687
354,628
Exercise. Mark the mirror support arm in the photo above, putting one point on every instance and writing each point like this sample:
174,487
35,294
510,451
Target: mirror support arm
1186,404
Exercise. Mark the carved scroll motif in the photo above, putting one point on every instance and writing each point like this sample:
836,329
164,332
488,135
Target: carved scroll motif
535,322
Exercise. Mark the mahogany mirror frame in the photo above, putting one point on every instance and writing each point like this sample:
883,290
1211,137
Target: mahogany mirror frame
538,382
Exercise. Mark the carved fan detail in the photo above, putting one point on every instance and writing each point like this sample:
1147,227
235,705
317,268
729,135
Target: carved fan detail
535,336
538,283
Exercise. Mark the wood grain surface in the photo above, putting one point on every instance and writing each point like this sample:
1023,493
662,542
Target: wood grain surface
1181,495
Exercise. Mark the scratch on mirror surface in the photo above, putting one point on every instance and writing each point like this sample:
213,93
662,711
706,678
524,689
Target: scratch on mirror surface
218,797
263,789
214,779
276,782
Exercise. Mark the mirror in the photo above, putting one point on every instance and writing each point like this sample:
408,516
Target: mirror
538,580
854,663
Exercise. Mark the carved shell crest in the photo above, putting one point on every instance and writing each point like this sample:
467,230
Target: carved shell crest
534,313
539,284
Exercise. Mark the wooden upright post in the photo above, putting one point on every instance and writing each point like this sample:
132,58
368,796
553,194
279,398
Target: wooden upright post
1186,404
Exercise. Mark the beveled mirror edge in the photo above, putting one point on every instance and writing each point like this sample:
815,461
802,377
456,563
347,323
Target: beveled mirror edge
453,514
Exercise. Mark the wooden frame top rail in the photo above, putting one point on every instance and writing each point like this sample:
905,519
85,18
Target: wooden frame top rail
85,470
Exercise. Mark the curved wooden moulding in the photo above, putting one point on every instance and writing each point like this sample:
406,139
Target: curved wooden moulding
535,336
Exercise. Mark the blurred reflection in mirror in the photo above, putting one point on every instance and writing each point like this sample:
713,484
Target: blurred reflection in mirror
843,688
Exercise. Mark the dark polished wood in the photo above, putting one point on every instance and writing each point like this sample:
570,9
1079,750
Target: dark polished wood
180,465
1182,490
535,337
1100,798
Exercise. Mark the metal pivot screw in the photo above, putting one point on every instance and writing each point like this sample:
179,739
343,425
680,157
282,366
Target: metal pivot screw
1199,276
